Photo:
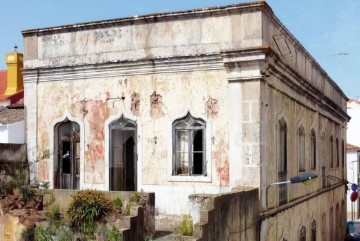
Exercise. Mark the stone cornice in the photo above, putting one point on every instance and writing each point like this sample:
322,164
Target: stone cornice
123,69
195,13
274,65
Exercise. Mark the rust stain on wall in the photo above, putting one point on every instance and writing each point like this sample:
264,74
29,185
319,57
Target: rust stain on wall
43,171
156,105
135,104
222,163
212,107
97,116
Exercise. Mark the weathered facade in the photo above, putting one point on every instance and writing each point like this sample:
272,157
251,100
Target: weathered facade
199,101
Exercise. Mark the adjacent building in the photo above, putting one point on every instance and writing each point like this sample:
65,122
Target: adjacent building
199,101
12,124
353,154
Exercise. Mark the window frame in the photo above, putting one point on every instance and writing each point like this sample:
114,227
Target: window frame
301,149
313,154
205,126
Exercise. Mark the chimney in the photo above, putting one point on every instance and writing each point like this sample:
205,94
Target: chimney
14,62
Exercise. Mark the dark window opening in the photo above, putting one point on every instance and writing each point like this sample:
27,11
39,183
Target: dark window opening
67,148
66,167
123,157
189,146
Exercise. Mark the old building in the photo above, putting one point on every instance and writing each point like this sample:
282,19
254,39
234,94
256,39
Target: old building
199,101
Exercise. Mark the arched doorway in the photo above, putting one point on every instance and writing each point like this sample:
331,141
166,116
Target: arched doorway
123,155
67,149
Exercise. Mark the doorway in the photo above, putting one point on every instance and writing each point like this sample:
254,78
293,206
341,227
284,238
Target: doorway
67,146
123,155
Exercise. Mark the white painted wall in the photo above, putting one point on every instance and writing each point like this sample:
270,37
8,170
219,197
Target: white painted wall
353,110
352,157
3,134
16,132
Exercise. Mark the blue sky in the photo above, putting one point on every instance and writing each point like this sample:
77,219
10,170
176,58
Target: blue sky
325,28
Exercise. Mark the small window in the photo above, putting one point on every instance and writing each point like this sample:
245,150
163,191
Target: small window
189,146
282,171
343,153
313,230
337,153
331,151
282,146
313,150
302,234
301,149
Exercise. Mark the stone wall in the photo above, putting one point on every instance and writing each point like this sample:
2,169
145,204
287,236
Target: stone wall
228,216
13,153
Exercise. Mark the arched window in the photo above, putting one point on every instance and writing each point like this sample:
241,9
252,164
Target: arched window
331,151
282,157
67,148
337,153
302,236
313,150
301,149
189,146
123,155
313,230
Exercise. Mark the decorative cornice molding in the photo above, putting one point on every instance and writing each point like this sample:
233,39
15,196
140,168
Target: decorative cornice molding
123,69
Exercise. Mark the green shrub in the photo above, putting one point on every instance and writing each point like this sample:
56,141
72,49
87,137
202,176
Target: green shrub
114,234
44,234
54,213
118,203
86,208
185,227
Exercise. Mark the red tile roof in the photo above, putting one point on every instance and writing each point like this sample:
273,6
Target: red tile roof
351,147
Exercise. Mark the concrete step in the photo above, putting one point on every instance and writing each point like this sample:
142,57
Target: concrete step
174,237
200,229
125,222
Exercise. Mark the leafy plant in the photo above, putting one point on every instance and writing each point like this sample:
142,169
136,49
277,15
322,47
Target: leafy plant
149,237
135,198
185,227
54,213
86,208
128,208
44,234
114,234
118,203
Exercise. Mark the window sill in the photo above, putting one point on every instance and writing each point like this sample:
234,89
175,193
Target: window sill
184,178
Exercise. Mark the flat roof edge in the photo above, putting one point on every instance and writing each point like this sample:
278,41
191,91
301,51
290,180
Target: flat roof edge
147,18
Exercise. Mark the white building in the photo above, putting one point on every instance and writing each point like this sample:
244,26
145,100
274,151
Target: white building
353,154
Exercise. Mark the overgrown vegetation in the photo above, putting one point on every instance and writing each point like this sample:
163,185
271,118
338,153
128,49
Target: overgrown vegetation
44,233
54,212
86,208
118,203
114,234
185,227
